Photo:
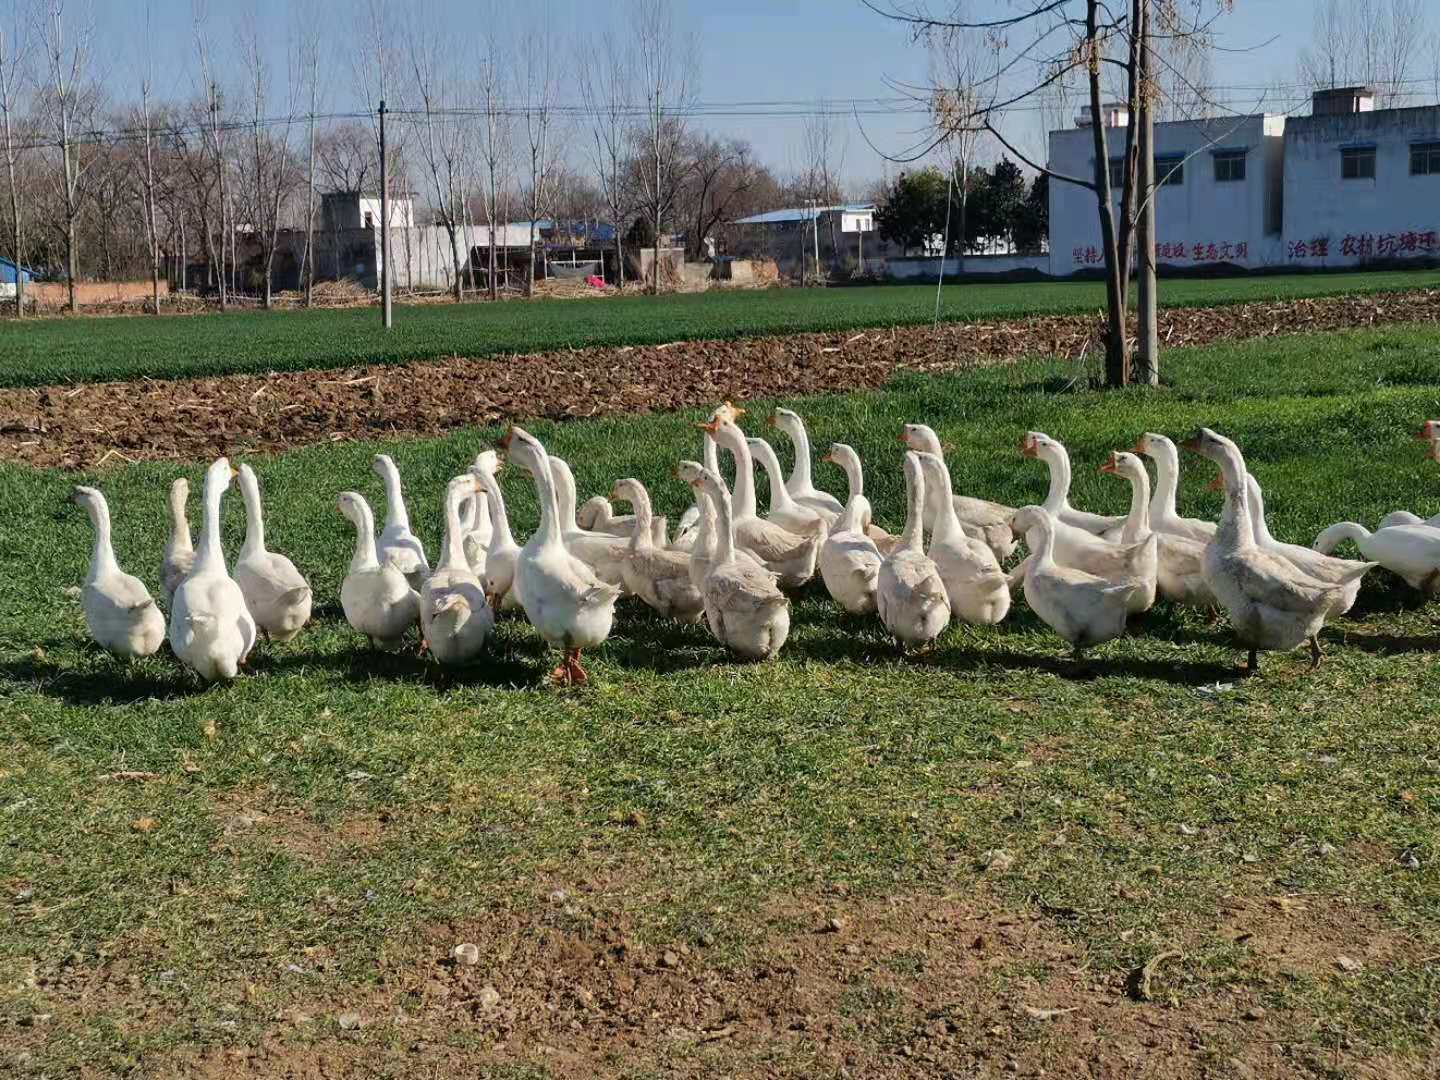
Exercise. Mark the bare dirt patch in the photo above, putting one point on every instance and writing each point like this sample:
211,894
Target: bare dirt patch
918,986
78,427
257,817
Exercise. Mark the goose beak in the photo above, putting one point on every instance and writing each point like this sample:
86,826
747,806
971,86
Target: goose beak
1029,448
709,426
1139,447
1423,435
503,443
1192,444
614,495
828,457
902,440
1216,484
773,420
1111,464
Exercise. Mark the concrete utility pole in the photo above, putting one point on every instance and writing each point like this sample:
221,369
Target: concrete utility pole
387,316
1147,345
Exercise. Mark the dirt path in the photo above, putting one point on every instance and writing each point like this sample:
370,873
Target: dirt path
82,427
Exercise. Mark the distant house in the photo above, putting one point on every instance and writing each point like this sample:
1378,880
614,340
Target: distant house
845,236
10,274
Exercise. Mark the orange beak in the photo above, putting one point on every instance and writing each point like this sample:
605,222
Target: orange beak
1139,447
1028,448
1192,443
710,426
503,443
1112,464
1217,484
770,421
1424,433
902,440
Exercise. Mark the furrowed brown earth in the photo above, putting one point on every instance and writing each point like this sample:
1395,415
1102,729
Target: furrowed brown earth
82,427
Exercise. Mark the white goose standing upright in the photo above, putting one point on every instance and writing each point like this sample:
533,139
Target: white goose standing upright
801,487
980,518
179,551
376,597
785,510
604,553
563,598
503,552
850,560
1037,444
1179,560
978,590
661,578
909,593
397,545
1272,604
848,462
277,595
211,629
744,607
1164,518
119,611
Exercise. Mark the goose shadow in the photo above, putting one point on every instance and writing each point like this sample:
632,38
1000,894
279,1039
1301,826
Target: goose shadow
114,681
1390,644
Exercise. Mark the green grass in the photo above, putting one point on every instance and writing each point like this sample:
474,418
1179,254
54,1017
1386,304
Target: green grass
683,793
47,351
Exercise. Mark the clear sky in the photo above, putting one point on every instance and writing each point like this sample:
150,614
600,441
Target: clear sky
748,50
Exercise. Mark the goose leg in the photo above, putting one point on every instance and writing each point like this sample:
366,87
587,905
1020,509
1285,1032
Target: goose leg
572,664
562,674
1315,652
1252,667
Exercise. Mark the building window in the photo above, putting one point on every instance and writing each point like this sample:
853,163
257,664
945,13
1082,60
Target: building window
1229,166
369,219
1425,159
1117,172
1170,171
1357,163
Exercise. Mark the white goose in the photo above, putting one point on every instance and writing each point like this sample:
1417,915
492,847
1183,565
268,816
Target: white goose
376,597
503,554
659,577
179,551
397,545
211,629
744,607
563,598
848,461
603,553
909,594
596,514
980,518
1412,551
850,560
799,484
1272,604
785,511
706,528
1163,516
119,611
455,618
788,554
975,584
477,526
1134,564
1179,560
1036,444
275,592
1082,608
1346,572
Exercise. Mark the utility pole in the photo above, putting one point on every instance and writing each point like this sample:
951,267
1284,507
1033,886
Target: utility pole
387,314
815,229
1147,345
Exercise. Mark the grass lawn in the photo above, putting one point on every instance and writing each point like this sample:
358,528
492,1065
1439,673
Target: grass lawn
649,865
39,352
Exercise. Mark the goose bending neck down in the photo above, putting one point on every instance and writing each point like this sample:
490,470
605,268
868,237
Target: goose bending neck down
119,611
563,598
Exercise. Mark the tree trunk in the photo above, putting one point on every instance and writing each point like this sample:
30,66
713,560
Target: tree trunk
459,289
1117,362
1147,344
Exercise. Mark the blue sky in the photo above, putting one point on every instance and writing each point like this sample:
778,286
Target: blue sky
749,50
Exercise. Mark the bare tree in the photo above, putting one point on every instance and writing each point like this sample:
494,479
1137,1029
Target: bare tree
495,135
443,141
71,104
538,88
308,53
147,119
722,174
1377,43
604,84
215,129
1040,44
267,174
664,66
12,61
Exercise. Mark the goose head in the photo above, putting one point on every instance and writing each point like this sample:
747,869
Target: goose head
1121,464
524,449
1429,431
920,437
625,490
1027,518
487,461
352,506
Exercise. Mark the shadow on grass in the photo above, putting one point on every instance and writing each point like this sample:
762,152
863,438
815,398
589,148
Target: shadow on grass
112,681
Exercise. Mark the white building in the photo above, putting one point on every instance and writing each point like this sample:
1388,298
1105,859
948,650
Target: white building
1220,203
341,210
1362,185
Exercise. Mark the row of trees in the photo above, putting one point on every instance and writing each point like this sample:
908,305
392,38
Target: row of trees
106,179
984,210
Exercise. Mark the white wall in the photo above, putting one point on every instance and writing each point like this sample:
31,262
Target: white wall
402,212
1199,221
1330,221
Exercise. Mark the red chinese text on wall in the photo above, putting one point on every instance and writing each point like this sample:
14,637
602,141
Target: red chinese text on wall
1367,246
1199,252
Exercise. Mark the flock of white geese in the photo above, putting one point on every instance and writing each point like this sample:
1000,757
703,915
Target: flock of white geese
1084,575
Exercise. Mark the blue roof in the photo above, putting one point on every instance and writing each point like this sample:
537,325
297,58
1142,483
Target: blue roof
7,272
801,213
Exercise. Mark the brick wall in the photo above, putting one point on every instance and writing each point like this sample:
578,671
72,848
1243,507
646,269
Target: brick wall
52,295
